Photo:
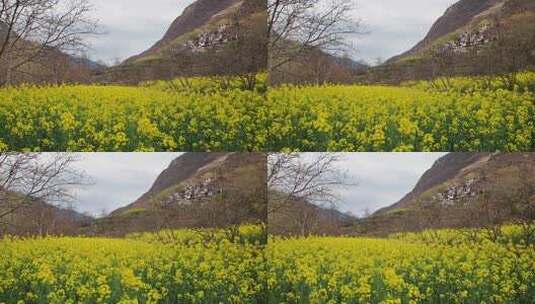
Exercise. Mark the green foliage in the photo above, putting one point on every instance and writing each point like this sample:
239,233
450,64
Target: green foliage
508,235
245,234
209,85
525,82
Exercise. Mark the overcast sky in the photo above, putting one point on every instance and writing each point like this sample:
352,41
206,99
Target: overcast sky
117,179
132,26
381,179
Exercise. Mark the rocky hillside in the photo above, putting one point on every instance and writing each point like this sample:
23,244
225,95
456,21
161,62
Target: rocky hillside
181,169
210,37
202,13
462,41
463,190
470,23
457,17
444,169
197,190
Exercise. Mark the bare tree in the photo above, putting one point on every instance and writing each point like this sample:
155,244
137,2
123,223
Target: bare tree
300,184
511,52
29,29
442,68
312,177
524,204
28,178
295,26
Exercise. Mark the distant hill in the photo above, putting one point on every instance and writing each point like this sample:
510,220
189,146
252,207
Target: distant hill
451,194
86,62
39,218
52,66
315,66
356,66
300,218
196,190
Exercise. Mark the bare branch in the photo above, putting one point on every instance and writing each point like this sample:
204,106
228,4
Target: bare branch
31,29
26,178
295,26
310,177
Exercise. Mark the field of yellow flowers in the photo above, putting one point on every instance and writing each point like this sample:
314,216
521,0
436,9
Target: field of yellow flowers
206,267
203,115
408,118
131,270
115,118
357,270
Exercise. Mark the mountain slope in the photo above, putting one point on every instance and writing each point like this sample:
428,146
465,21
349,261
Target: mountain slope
180,170
444,169
197,190
210,37
473,37
457,16
463,190
200,13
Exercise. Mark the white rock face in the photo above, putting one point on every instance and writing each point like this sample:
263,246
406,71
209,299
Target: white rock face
193,192
455,193
217,38
468,40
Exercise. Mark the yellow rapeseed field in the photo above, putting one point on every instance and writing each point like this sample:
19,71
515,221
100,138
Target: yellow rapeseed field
375,118
189,266
203,115
357,270
132,270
